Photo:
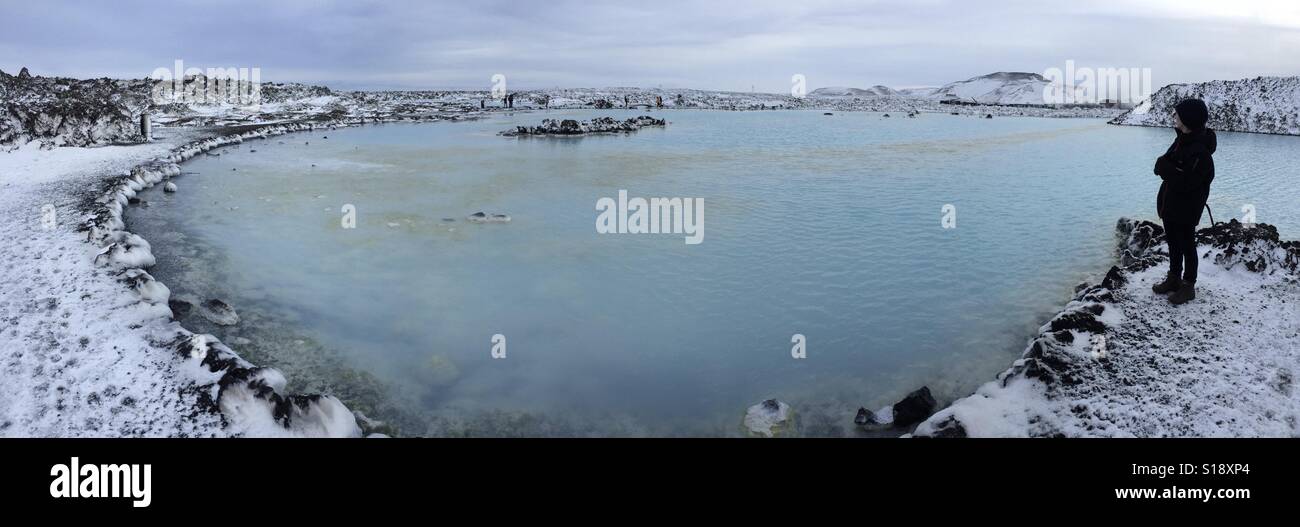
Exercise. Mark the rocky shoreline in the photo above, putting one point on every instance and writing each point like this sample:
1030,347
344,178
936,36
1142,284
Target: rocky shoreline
247,399
1119,361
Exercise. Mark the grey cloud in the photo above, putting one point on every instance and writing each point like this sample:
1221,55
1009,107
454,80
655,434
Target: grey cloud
720,45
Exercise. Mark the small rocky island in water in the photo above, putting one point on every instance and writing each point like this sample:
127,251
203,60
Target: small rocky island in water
599,125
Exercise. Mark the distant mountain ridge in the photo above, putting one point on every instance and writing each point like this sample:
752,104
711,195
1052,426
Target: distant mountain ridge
838,91
1003,87
998,88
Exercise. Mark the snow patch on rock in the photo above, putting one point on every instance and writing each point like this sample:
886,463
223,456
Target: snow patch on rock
770,418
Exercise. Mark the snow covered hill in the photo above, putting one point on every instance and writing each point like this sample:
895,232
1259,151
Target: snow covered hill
839,91
921,92
995,88
1000,88
1268,105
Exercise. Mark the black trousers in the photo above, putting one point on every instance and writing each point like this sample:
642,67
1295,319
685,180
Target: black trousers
1181,238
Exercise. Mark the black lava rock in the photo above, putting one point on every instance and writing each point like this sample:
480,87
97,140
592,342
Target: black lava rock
180,308
1079,320
914,408
865,417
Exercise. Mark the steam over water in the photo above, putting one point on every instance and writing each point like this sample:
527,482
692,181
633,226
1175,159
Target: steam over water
825,226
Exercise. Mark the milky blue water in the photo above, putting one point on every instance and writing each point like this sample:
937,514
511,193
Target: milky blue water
824,226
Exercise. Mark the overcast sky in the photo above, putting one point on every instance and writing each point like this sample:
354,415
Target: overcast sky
720,44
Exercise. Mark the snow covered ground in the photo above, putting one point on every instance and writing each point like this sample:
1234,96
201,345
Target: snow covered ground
1120,361
75,350
1269,105
88,346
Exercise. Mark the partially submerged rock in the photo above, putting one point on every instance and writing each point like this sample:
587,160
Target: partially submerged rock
599,125
220,313
482,217
871,418
180,308
770,418
914,408
440,370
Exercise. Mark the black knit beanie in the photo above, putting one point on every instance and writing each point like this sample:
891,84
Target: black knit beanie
1193,113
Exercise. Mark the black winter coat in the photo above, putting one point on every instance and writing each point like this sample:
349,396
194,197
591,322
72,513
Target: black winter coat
1187,169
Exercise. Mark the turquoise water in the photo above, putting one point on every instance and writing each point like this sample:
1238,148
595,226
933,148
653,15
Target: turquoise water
825,226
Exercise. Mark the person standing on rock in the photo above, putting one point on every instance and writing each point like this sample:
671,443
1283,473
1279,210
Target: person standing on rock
1187,169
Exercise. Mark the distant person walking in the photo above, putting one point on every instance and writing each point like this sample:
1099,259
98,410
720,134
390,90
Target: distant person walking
1187,169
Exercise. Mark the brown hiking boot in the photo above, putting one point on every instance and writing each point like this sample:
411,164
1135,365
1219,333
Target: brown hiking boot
1171,284
1184,294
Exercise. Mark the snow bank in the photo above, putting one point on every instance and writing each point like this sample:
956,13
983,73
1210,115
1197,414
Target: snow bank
1269,105
1120,361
